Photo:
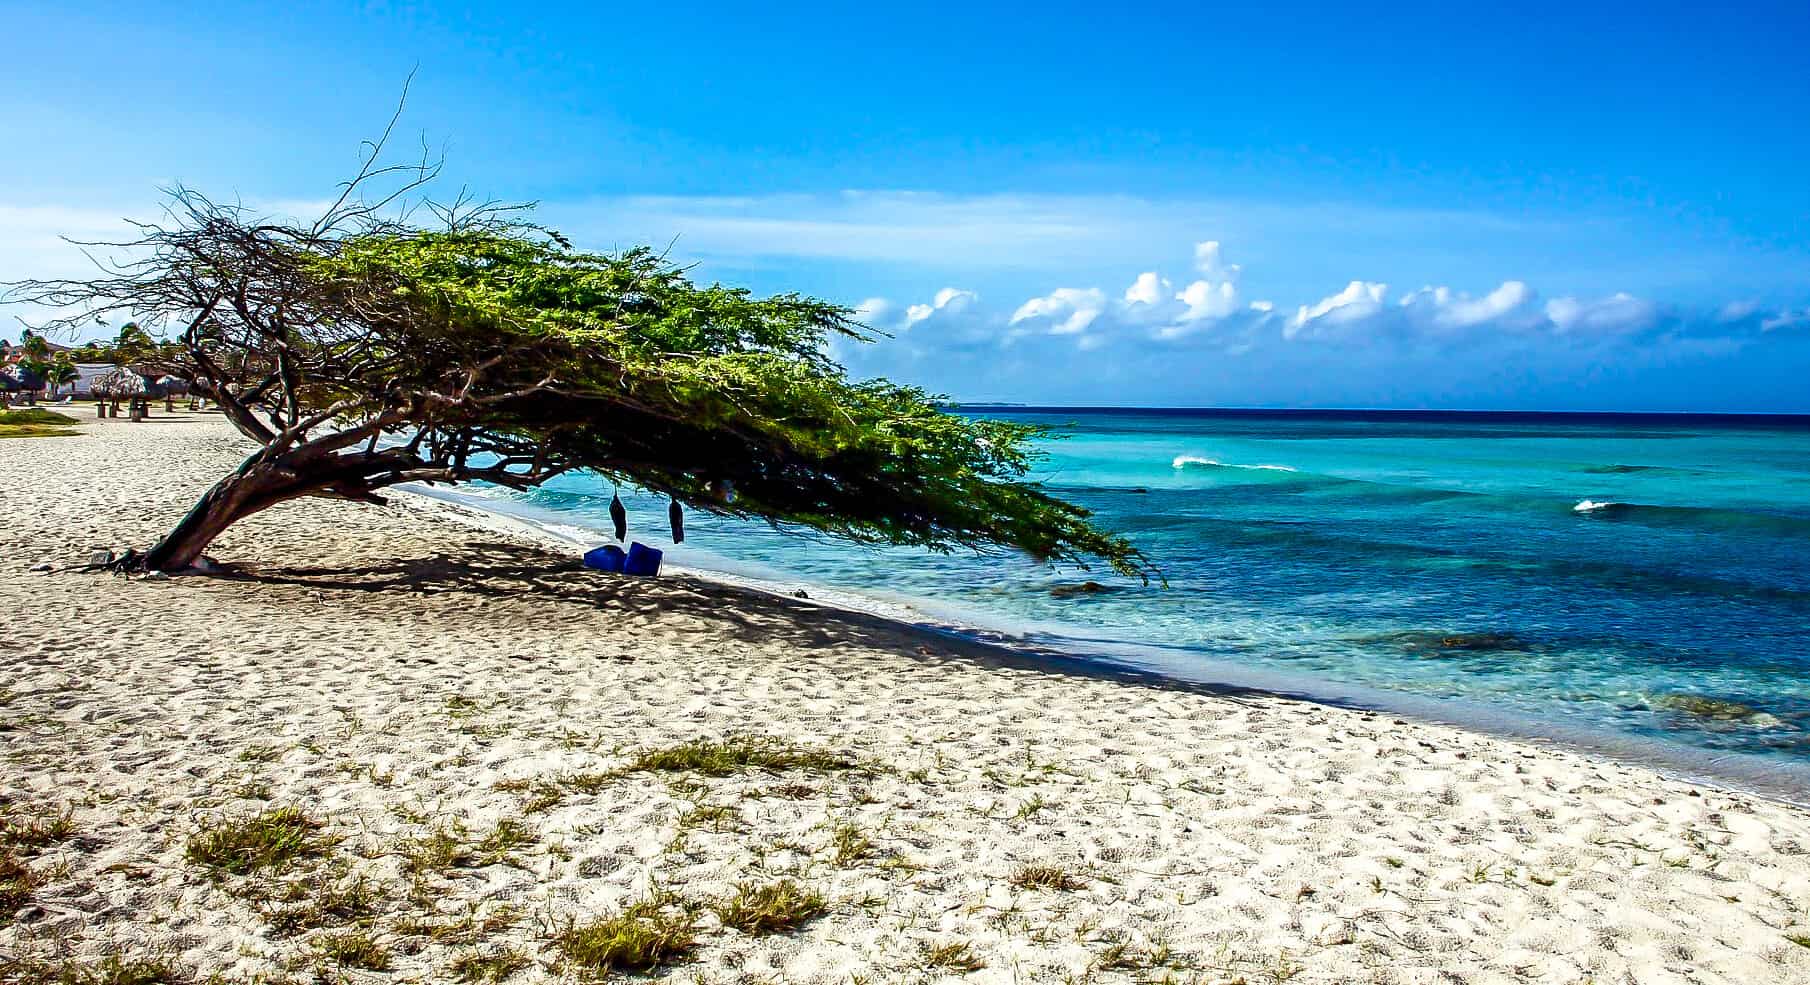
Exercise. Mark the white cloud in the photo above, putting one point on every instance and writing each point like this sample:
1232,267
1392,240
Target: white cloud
1148,289
1358,301
1786,319
1441,307
877,312
949,300
1618,313
1067,310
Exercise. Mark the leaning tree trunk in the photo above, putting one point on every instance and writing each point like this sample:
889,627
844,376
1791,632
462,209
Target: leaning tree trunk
260,482
230,500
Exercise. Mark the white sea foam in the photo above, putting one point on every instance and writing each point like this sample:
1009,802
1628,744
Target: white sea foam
1183,461
1591,506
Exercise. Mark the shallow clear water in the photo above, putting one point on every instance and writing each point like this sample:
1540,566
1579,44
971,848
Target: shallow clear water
1438,555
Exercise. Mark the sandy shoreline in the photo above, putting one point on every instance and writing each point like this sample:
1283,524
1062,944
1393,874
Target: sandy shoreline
397,673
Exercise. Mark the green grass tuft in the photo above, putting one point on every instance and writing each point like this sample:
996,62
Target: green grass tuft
111,970
1052,877
17,881
771,909
353,949
489,966
268,840
652,933
850,844
31,834
324,902
955,956
738,754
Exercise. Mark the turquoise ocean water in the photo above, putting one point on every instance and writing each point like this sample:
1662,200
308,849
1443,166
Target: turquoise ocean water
1636,581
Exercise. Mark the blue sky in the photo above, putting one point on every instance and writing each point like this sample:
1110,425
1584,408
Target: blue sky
1525,207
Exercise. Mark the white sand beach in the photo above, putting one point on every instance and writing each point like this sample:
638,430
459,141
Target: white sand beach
454,706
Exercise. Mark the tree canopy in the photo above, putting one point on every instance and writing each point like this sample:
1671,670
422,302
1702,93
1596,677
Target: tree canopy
362,351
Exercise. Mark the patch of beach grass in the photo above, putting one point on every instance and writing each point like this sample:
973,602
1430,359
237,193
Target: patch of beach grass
470,928
324,901
738,754
1051,877
353,949
17,881
36,832
953,956
849,844
445,847
442,848
270,839
260,754
494,965
652,933
703,757
506,836
1801,940
716,817
114,969
775,908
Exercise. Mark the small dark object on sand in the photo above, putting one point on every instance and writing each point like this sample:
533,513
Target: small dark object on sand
801,594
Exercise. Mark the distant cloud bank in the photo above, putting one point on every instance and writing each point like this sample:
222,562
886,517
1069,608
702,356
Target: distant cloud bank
1211,306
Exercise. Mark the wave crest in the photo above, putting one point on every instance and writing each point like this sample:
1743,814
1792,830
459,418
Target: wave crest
1195,461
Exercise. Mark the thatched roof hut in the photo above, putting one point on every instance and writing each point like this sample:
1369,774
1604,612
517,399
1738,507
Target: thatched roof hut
120,383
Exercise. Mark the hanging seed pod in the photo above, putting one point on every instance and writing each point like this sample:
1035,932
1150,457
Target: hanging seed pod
677,518
618,516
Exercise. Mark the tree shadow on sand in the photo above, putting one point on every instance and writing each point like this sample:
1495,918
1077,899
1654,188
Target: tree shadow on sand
497,569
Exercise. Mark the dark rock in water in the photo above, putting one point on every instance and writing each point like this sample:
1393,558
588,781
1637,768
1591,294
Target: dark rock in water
1482,641
1437,644
1085,588
1140,490
1714,709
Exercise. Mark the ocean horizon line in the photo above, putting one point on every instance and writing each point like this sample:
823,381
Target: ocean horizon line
1791,417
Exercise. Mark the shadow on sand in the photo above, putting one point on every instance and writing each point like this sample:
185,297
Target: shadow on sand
505,570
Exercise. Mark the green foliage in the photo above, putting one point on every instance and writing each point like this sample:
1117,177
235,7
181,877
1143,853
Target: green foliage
268,840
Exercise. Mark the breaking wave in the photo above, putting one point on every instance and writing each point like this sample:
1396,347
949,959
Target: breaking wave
1195,461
